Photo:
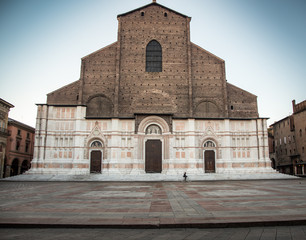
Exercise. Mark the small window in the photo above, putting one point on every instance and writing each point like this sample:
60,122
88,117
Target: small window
166,14
28,135
232,107
17,145
19,132
27,147
142,14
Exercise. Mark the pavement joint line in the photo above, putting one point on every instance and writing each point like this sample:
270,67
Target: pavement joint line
160,225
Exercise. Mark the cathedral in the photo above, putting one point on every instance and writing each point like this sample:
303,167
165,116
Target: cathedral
151,102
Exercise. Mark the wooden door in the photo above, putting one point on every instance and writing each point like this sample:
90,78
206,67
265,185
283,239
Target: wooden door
209,158
153,156
95,161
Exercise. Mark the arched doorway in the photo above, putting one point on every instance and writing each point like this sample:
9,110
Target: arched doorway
209,156
24,167
153,150
273,163
96,155
14,168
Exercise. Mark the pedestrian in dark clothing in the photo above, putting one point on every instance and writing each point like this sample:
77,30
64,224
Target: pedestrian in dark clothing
185,176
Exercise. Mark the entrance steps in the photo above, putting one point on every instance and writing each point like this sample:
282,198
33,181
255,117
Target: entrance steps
154,177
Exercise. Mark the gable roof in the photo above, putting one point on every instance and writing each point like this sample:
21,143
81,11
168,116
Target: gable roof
151,4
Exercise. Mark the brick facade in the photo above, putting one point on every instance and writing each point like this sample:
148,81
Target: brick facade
118,97
289,141
4,111
19,149
192,82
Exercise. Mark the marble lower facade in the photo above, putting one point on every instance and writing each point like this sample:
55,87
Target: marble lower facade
68,143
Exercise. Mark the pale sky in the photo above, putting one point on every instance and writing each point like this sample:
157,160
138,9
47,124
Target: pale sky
263,43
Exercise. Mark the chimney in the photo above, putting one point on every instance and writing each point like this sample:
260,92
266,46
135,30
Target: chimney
293,105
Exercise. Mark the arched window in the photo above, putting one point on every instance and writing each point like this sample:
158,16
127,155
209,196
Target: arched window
96,144
209,144
153,129
153,57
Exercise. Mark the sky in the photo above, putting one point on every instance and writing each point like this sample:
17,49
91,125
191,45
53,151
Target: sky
263,43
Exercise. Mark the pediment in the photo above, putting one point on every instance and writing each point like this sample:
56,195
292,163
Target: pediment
96,133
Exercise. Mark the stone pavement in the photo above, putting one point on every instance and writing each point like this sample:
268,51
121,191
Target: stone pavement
254,233
153,204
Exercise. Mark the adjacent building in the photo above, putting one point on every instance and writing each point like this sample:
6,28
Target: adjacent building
271,146
151,102
19,148
4,110
289,142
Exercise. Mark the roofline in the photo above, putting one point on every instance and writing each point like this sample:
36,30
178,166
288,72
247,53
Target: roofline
285,118
6,103
59,105
63,87
153,3
109,45
208,52
232,85
20,124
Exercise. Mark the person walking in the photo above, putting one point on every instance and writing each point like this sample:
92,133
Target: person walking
185,176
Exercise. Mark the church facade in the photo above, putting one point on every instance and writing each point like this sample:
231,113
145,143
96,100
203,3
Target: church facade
151,102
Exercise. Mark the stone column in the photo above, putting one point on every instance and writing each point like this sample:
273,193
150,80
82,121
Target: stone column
114,147
191,146
226,148
2,157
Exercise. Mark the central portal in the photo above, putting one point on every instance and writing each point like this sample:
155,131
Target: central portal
153,156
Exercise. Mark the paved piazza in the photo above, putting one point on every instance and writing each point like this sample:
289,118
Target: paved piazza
153,204
252,233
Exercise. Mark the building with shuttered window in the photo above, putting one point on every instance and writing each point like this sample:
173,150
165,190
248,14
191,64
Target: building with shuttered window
4,111
289,141
151,102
